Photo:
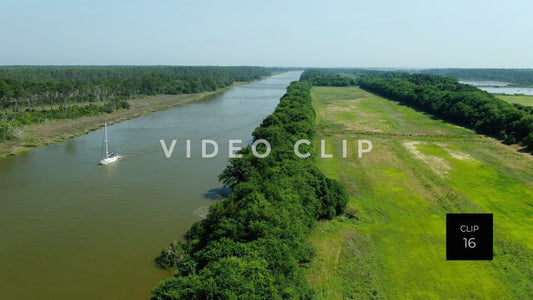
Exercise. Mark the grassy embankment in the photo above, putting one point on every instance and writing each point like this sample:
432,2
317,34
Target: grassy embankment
520,99
420,169
36,135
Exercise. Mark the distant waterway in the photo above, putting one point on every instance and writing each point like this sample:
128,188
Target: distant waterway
497,87
70,229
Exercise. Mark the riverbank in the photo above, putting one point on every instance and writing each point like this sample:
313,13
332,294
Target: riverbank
36,135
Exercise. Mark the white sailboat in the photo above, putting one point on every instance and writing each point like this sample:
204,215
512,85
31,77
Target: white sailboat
108,157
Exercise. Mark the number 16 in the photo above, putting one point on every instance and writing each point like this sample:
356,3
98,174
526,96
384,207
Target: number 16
470,243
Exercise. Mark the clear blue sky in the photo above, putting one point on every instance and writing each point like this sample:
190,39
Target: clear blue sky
371,33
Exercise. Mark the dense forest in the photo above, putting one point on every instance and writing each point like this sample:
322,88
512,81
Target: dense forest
318,74
320,78
445,98
30,94
523,77
253,244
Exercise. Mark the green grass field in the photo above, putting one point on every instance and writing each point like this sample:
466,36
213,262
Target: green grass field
419,170
520,99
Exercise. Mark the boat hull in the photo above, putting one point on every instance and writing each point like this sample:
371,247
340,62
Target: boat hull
108,160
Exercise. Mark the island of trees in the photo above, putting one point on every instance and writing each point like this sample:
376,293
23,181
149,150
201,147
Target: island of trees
253,244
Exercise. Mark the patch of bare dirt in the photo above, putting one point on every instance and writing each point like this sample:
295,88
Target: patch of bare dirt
437,164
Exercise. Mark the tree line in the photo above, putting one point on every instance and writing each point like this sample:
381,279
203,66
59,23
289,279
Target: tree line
343,76
445,98
30,94
253,244
461,104
521,77
513,76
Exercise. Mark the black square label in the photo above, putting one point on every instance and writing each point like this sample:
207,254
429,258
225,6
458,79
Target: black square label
469,236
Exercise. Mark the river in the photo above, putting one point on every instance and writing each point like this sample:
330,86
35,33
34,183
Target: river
71,229
498,87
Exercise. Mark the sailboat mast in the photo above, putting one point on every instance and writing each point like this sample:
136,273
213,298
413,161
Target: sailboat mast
105,139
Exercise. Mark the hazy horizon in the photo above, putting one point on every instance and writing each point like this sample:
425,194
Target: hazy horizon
265,66
352,34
